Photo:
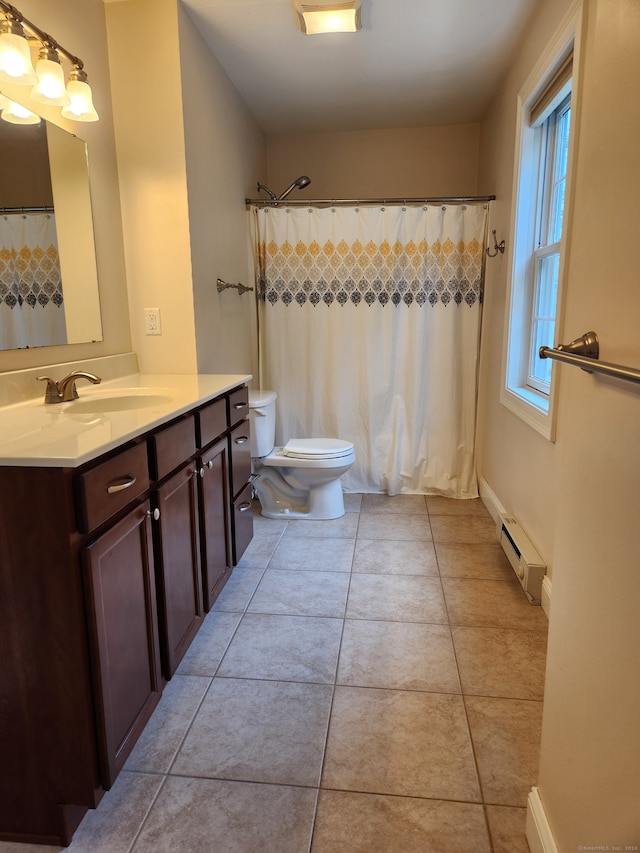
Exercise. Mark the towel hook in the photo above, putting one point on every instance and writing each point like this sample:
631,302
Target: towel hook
498,247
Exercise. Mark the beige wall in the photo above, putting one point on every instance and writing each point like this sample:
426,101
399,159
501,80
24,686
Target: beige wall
152,171
578,497
225,157
412,162
82,31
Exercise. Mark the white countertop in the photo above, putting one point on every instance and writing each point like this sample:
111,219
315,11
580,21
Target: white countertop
68,434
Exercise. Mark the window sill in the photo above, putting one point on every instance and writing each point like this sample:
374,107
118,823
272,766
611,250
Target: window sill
532,407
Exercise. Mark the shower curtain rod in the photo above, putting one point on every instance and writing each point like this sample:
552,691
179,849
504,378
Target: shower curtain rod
341,202
44,209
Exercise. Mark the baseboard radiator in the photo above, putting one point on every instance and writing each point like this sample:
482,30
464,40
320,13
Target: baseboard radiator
526,562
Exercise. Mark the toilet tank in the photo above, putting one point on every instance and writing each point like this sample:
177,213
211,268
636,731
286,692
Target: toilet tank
262,414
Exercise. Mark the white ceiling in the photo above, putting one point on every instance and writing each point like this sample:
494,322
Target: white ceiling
414,63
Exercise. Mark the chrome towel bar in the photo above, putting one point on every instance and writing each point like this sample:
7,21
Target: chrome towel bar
584,353
224,285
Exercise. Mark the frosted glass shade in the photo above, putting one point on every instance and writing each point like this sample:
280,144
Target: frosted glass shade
51,87
330,21
80,107
17,114
15,60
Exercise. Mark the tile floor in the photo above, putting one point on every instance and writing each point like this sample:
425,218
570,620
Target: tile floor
371,684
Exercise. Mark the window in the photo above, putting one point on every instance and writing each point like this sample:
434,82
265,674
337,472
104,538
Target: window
543,163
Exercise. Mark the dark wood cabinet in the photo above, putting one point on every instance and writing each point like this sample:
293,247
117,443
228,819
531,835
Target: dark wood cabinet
105,571
123,635
215,530
176,537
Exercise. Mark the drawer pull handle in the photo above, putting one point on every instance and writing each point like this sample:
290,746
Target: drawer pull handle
243,439
155,514
240,406
253,478
119,487
243,507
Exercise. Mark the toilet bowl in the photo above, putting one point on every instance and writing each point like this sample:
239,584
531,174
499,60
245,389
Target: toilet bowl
300,479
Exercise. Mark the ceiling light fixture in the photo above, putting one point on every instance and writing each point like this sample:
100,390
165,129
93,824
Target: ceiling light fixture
47,79
323,16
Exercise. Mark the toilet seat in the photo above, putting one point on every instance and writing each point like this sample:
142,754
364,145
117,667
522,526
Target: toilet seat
317,448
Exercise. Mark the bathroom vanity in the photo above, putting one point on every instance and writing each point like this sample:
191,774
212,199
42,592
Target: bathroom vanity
121,517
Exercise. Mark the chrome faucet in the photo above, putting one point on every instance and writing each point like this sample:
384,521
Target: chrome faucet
65,389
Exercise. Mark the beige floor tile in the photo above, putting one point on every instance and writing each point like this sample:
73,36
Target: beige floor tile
210,816
333,528
438,505
112,827
473,529
491,604
263,526
375,556
399,598
507,828
397,503
301,593
314,554
506,742
501,662
169,723
352,502
238,590
392,526
485,562
210,643
398,655
283,648
369,823
400,742
258,731
259,552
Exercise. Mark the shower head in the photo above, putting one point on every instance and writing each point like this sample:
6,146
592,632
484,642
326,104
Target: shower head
299,184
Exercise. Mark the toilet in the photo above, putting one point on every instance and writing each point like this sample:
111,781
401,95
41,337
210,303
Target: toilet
301,479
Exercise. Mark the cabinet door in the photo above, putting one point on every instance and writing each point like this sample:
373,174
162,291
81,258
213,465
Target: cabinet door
123,630
242,523
215,533
178,565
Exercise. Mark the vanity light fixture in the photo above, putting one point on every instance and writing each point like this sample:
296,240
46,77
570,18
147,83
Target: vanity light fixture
47,79
323,16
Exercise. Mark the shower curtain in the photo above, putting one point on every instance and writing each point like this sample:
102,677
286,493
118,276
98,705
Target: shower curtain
369,321
31,303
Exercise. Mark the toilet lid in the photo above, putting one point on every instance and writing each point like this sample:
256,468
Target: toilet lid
317,448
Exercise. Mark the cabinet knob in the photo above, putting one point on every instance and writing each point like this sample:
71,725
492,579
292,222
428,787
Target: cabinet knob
200,472
210,464
127,481
242,439
154,514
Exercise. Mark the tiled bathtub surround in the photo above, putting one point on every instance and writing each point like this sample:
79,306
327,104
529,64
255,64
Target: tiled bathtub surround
368,684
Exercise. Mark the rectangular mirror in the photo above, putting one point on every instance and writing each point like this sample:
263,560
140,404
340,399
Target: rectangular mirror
48,275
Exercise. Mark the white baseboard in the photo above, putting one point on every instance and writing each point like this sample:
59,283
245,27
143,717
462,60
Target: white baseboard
545,599
490,499
538,831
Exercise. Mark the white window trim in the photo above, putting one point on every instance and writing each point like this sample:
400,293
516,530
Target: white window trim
534,408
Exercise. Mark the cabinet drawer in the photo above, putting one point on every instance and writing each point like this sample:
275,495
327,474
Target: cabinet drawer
240,457
111,486
242,523
238,405
172,446
213,421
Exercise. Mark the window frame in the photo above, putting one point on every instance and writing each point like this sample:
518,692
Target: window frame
531,404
